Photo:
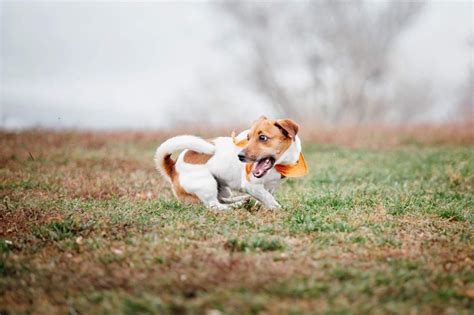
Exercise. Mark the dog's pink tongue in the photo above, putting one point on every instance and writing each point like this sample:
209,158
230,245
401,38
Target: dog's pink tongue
262,166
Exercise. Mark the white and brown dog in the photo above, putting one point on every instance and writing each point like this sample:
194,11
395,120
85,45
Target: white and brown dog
254,162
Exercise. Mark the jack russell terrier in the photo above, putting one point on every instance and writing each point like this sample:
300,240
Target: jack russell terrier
254,162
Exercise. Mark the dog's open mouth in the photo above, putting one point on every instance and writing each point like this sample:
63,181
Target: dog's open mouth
262,166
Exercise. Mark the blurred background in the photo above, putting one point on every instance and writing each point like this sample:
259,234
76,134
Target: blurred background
167,64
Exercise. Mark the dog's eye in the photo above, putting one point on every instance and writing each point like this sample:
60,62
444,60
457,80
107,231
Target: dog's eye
262,138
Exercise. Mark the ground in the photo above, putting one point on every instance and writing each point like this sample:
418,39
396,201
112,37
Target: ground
384,223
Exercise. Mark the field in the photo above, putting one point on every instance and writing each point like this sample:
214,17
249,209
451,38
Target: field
384,223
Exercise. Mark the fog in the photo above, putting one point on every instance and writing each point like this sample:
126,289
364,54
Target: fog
158,64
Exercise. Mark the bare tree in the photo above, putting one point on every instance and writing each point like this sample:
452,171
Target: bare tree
326,59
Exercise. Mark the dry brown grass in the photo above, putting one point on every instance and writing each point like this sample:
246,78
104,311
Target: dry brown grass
383,136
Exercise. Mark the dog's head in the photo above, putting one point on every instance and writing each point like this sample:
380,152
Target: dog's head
267,141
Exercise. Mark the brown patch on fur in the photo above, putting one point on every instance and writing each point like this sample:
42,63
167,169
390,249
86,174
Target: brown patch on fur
168,165
182,194
178,190
193,157
276,144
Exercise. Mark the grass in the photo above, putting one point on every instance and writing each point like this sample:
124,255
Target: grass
87,226
254,244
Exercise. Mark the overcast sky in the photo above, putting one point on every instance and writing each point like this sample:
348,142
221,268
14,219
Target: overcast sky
131,64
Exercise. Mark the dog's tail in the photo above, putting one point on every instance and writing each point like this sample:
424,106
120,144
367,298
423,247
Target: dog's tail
163,161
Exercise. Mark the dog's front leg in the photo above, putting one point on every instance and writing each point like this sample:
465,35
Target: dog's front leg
261,194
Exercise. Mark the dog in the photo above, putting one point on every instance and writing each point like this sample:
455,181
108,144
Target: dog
254,163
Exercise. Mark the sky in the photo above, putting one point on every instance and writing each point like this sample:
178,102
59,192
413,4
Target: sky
90,64
437,47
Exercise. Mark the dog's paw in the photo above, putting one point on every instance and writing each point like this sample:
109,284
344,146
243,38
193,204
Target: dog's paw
272,206
220,207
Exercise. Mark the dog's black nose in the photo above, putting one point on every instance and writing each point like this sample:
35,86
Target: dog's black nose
241,157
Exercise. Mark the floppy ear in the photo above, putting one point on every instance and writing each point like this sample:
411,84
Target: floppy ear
288,127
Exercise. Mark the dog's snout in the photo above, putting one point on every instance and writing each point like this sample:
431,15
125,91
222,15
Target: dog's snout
242,156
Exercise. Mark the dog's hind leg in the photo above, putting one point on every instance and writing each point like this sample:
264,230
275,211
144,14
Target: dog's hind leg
201,183
210,200
225,195
223,191
237,199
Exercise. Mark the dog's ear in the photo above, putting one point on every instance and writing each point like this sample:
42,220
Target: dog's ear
288,127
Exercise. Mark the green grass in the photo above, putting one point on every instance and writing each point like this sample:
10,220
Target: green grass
254,244
87,226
